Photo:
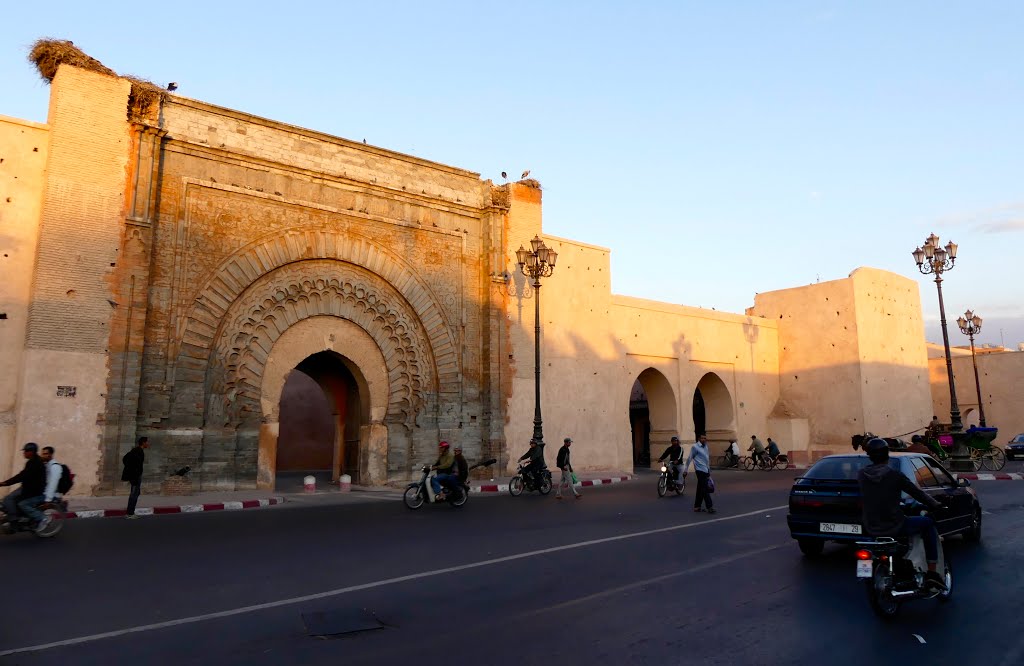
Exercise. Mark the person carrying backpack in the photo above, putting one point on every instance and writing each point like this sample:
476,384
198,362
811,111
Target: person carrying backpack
58,481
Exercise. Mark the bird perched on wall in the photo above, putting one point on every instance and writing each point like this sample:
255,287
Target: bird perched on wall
172,86
525,174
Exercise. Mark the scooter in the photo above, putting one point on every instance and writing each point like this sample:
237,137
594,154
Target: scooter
54,510
539,481
666,483
422,492
893,571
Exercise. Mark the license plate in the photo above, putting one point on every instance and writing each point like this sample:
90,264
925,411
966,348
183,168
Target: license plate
839,528
863,568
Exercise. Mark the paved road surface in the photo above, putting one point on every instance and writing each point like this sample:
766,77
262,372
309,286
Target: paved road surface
618,577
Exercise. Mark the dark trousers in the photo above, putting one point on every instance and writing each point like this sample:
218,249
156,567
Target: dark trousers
702,496
11,504
925,526
133,496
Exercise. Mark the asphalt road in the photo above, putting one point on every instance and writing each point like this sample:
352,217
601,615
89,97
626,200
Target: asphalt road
617,577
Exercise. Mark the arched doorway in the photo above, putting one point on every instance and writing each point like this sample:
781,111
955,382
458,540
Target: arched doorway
320,418
713,412
652,416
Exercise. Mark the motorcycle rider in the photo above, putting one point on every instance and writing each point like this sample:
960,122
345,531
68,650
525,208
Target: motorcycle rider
461,467
444,477
33,486
536,464
54,470
880,487
675,455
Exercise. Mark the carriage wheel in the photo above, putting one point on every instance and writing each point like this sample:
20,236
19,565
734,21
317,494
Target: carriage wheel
994,459
976,459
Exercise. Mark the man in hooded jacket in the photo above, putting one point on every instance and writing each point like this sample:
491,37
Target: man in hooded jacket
880,488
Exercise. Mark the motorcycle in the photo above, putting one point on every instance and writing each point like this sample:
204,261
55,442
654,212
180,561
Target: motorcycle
522,481
667,484
422,492
893,571
55,510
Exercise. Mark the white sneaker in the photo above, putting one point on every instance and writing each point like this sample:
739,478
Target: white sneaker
43,524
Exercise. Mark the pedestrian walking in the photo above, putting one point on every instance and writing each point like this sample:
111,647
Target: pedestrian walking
701,460
133,461
563,463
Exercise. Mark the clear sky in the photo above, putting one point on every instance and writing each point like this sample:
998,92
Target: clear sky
718,148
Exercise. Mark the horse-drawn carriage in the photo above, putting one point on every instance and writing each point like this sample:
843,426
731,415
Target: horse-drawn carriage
939,444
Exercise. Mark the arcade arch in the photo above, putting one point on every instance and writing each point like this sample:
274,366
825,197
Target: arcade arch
653,415
713,412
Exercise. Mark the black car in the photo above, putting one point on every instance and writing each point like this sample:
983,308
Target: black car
825,503
1015,448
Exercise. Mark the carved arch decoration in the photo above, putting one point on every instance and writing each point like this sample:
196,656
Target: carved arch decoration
236,275
307,289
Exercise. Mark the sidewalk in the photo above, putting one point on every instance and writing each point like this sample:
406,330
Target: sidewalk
586,479
228,500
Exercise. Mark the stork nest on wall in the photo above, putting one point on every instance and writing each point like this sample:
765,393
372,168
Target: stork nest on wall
49,54
530,182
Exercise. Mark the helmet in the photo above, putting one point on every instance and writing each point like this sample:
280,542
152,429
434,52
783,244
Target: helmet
674,439
31,447
444,445
877,449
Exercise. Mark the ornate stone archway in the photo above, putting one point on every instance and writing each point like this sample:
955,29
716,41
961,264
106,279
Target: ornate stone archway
259,294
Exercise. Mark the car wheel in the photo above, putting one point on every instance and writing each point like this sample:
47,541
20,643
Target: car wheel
811,547
973,534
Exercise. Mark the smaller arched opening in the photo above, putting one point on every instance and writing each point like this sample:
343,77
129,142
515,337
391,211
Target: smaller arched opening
713,413
652,416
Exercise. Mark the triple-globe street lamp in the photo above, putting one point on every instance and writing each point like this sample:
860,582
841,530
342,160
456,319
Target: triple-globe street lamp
933,259
970,325
536,263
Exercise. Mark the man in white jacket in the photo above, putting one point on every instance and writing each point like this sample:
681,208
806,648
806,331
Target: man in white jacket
54,470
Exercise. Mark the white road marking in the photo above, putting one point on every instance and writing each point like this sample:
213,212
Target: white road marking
367,586
920,640
657,579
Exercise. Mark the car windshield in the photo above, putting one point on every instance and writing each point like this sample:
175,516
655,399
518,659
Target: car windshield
1019,439
842,469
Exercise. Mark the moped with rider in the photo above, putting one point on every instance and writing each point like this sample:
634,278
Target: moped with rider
540,480
667,484
894,571
422,492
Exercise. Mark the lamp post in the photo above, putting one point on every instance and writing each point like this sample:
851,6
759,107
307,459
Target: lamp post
970,325
536,263
933,259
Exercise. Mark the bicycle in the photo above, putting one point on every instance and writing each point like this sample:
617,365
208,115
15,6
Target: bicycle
726,461
762,462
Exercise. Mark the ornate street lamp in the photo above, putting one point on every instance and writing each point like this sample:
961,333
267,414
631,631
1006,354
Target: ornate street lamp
932,259
535,263
970,325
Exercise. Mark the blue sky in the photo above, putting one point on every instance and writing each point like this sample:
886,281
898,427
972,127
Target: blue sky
720,149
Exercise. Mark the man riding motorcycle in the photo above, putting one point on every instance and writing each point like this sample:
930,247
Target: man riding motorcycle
536,457
444,466
675,455
32,478
880,488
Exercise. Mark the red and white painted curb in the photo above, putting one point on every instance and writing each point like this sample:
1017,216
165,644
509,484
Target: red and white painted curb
1011,476
183,508
503,487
